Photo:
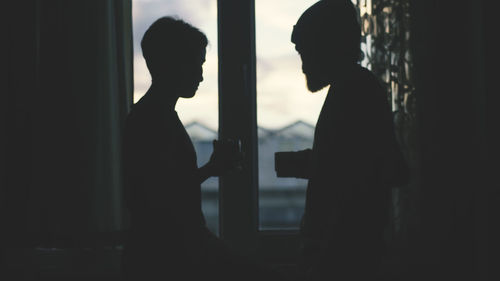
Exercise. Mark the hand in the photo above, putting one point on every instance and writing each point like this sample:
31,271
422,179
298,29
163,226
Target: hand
226,157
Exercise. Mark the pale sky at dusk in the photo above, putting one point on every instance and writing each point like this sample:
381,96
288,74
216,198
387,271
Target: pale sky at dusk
282,96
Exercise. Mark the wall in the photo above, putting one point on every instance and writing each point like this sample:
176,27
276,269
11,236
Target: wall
448,42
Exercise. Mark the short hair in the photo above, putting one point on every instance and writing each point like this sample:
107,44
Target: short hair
171,39
330,23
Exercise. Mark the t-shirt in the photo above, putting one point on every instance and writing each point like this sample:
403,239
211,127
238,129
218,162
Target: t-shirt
353,135
162,191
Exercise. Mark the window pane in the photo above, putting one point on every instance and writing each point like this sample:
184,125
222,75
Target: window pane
287,112
199,114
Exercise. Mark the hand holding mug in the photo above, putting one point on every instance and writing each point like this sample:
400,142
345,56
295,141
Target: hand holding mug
227,156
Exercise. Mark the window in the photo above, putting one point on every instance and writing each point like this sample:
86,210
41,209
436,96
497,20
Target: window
261,99
287,111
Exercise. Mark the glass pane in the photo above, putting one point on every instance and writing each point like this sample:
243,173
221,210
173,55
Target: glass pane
287,111
199,114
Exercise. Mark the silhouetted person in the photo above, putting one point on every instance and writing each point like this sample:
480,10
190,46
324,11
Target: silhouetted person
354,159
168,237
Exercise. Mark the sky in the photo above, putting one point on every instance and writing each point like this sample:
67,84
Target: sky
282,96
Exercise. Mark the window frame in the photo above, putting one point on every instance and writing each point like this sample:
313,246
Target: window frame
238,193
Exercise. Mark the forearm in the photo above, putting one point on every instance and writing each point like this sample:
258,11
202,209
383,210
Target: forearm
205,172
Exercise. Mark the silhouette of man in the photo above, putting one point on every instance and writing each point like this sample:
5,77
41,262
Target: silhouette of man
168,236
353,162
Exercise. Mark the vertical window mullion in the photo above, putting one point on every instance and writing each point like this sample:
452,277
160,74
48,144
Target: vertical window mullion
237,119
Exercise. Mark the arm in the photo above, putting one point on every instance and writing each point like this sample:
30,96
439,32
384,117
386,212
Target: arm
205,172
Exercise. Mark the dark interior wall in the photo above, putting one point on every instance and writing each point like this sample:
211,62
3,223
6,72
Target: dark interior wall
490,151
20,85
448,44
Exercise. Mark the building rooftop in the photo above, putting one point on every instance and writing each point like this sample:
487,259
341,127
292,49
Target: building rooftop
299,129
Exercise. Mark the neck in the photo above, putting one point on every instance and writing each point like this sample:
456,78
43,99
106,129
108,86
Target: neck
343,72
162,95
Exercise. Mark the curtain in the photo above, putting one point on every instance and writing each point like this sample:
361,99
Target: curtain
449,47
69,89
386,35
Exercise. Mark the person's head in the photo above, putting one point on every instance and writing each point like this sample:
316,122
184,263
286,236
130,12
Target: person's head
327,37
175,52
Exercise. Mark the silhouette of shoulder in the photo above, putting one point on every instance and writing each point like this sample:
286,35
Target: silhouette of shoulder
362,84
147,114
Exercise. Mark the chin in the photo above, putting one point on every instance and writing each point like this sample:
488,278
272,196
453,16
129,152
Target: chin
188,96
315,85
189,93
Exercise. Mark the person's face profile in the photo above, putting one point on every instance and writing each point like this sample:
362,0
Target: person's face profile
306,54
312,66
191,73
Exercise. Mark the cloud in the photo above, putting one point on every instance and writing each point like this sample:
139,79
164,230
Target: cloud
282,95
145,12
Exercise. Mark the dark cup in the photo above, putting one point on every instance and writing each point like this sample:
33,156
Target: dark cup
284,164
292,164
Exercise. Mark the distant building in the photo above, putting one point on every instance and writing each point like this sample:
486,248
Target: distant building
281,200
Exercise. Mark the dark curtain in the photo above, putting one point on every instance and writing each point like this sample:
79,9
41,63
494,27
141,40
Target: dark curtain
67,91
450,44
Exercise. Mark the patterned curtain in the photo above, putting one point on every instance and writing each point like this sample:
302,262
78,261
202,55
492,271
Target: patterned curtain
386,39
